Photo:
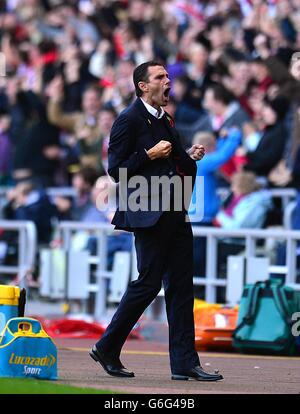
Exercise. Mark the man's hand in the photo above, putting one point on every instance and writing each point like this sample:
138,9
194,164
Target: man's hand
52,152
161,150
63,204
197,152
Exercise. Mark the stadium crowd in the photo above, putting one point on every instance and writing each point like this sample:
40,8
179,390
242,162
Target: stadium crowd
235,89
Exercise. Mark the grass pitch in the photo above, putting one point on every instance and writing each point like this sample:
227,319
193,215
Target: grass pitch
32,386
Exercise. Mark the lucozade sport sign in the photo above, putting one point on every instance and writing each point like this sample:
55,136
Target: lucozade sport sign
26,350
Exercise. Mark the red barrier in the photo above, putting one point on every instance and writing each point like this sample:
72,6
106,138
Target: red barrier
75,328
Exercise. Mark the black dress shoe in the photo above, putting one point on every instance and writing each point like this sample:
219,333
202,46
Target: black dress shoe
197,374
112,366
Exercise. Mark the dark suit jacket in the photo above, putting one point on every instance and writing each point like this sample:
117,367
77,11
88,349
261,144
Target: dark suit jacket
132,134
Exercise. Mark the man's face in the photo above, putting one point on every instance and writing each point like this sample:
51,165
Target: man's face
269,115
258,71
240,71
217,37
209,102
91,103
79,184
156,89
106,120
198,55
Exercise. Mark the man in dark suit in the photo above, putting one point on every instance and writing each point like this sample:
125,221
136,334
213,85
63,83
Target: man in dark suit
145,144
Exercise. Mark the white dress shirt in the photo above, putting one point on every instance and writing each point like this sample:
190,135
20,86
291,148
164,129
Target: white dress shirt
153,111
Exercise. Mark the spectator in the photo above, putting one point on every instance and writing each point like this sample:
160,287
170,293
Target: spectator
188,107
237,76
11,101
82,182
37,153
296,177
191,78
5,149
119,90
101,210
282,175
223,109
218,34
84,125
107,117
295,221
223,112
216,154
260,74
29,202
247,206
272,143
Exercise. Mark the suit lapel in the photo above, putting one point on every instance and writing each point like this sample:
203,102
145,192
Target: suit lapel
143,111
147,117
167,119
169,124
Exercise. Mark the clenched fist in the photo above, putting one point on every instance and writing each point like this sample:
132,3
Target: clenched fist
161,150
197,152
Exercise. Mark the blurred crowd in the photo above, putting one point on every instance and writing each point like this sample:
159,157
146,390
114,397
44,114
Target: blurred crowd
235,89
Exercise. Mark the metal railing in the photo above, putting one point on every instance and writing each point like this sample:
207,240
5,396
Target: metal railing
286,194
27,248
51,191
213,235
211,281
100,231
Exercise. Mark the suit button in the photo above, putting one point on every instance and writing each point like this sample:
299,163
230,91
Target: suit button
171,173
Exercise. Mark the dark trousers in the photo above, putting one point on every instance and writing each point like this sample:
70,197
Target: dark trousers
164,254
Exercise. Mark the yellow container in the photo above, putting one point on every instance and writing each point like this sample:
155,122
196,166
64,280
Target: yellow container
202,304
9,295
9,304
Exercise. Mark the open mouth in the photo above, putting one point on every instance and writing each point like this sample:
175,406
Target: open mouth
167,93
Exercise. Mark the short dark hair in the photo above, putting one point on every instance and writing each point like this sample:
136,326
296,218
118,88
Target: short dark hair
280,105
108,107
214,22
203,41
95,88
88,174
140,74
258,60
221,93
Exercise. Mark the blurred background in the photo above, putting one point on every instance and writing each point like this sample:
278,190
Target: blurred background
68,74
